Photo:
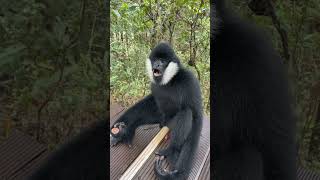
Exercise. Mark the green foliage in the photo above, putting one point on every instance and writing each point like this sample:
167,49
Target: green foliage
50,76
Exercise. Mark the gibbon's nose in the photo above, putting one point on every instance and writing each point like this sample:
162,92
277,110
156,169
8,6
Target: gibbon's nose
157,65
157,68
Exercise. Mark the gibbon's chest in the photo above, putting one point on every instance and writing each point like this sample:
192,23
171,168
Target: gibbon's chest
168,100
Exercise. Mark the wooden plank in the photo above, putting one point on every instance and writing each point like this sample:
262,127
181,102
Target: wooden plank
143,157
17,153
115,109
202,164
305,174
203,149
34,164
205,172
121,156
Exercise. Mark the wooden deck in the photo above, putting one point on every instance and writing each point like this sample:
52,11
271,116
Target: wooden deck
20,154
122,156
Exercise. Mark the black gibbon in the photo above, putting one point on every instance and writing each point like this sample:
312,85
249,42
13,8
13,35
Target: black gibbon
175,101
253,124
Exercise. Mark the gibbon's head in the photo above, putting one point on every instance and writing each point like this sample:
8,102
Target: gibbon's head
162,64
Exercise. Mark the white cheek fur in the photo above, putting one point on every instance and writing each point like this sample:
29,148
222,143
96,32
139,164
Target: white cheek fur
169,73
149,69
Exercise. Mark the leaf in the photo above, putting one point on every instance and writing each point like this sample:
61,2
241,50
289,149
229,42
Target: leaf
11,53
70,70
133,8
47,82
59,29
116,13
45,65
308,37
124,6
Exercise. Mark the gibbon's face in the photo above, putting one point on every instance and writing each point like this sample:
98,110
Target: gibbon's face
161,71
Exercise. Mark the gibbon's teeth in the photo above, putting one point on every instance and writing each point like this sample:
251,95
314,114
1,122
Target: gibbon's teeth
156,74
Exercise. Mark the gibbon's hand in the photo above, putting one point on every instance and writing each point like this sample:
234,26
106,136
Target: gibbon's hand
117,134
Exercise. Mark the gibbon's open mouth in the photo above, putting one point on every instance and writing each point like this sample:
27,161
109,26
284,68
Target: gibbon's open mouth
156,72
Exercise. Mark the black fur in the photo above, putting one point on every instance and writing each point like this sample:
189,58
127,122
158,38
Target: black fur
83,158
177,105
253,125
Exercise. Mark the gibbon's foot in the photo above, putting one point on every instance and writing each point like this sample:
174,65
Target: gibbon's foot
159,157
114,141
117,133
161,124
162,171
129,144
163,152
167,137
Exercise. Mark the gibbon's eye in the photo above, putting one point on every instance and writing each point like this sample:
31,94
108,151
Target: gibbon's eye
156,72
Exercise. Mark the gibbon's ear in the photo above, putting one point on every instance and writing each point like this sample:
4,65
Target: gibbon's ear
149,70
169,73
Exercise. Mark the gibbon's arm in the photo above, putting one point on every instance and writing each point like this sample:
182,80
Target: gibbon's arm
145,111
84,157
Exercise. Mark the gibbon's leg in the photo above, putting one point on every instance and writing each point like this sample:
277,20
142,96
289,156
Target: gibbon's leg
180,126
183,143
